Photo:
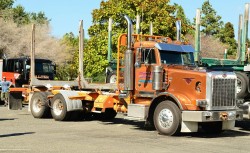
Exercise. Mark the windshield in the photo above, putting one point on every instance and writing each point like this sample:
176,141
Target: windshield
180,58
44,67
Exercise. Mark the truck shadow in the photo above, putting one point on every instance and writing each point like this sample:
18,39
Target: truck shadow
243,125
7,119
228,133
15,134
138,125
242,129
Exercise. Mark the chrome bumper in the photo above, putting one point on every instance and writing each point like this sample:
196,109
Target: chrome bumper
209,116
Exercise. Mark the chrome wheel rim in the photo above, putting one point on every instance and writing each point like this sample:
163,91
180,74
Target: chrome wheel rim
58,107
37,105
166,118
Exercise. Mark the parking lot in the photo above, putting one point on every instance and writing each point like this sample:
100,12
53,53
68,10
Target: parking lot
20,132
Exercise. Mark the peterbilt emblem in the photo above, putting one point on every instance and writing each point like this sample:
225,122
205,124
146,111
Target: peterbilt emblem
188,80
224,75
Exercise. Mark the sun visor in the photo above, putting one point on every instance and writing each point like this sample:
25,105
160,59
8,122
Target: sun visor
174,47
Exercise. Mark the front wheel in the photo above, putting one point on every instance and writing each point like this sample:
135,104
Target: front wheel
59,108
167,118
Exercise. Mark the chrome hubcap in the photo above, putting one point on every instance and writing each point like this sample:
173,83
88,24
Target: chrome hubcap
57,107
37,105
166,118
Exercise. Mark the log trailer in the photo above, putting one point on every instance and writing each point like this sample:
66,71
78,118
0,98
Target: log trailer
157,81
240,66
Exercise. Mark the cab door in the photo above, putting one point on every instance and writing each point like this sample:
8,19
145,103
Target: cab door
143,72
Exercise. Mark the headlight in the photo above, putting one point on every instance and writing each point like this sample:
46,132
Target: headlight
201,103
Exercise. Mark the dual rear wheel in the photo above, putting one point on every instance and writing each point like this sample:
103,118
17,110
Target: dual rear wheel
39,105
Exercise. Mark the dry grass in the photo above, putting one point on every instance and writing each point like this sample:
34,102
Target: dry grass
210,46
16,41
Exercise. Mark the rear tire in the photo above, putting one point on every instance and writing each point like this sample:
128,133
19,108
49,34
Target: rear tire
39,105
59,108
167,118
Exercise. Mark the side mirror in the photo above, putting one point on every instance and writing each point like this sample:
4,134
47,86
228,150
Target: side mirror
138,58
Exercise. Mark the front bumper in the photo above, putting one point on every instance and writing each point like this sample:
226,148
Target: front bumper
210,116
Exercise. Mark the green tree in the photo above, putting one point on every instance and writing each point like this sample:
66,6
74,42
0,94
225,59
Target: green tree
68,70
6,4
19,15
39,18
157,11
210,21
227,35
5,8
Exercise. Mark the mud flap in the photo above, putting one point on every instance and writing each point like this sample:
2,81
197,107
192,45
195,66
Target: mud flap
15,100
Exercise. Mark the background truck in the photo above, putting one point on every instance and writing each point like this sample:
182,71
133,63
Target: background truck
157,81
240,65
17,70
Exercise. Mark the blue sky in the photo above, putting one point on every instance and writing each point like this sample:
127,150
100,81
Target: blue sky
66,14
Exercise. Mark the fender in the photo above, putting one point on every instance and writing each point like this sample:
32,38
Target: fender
161,97
72,105
171,96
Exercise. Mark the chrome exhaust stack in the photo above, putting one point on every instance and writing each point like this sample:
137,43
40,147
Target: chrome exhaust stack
197,37
245,33
129,59
240,27
178,30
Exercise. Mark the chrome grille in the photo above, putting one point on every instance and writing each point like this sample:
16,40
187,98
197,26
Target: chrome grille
223,92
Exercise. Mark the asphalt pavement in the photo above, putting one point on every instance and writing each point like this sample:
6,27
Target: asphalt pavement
20,132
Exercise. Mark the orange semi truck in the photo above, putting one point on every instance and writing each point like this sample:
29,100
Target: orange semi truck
157,81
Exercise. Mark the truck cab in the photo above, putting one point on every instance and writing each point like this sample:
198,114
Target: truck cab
168,88
17,70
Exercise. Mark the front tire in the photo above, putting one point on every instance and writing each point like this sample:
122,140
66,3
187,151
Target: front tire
39,105
167,118
59,108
